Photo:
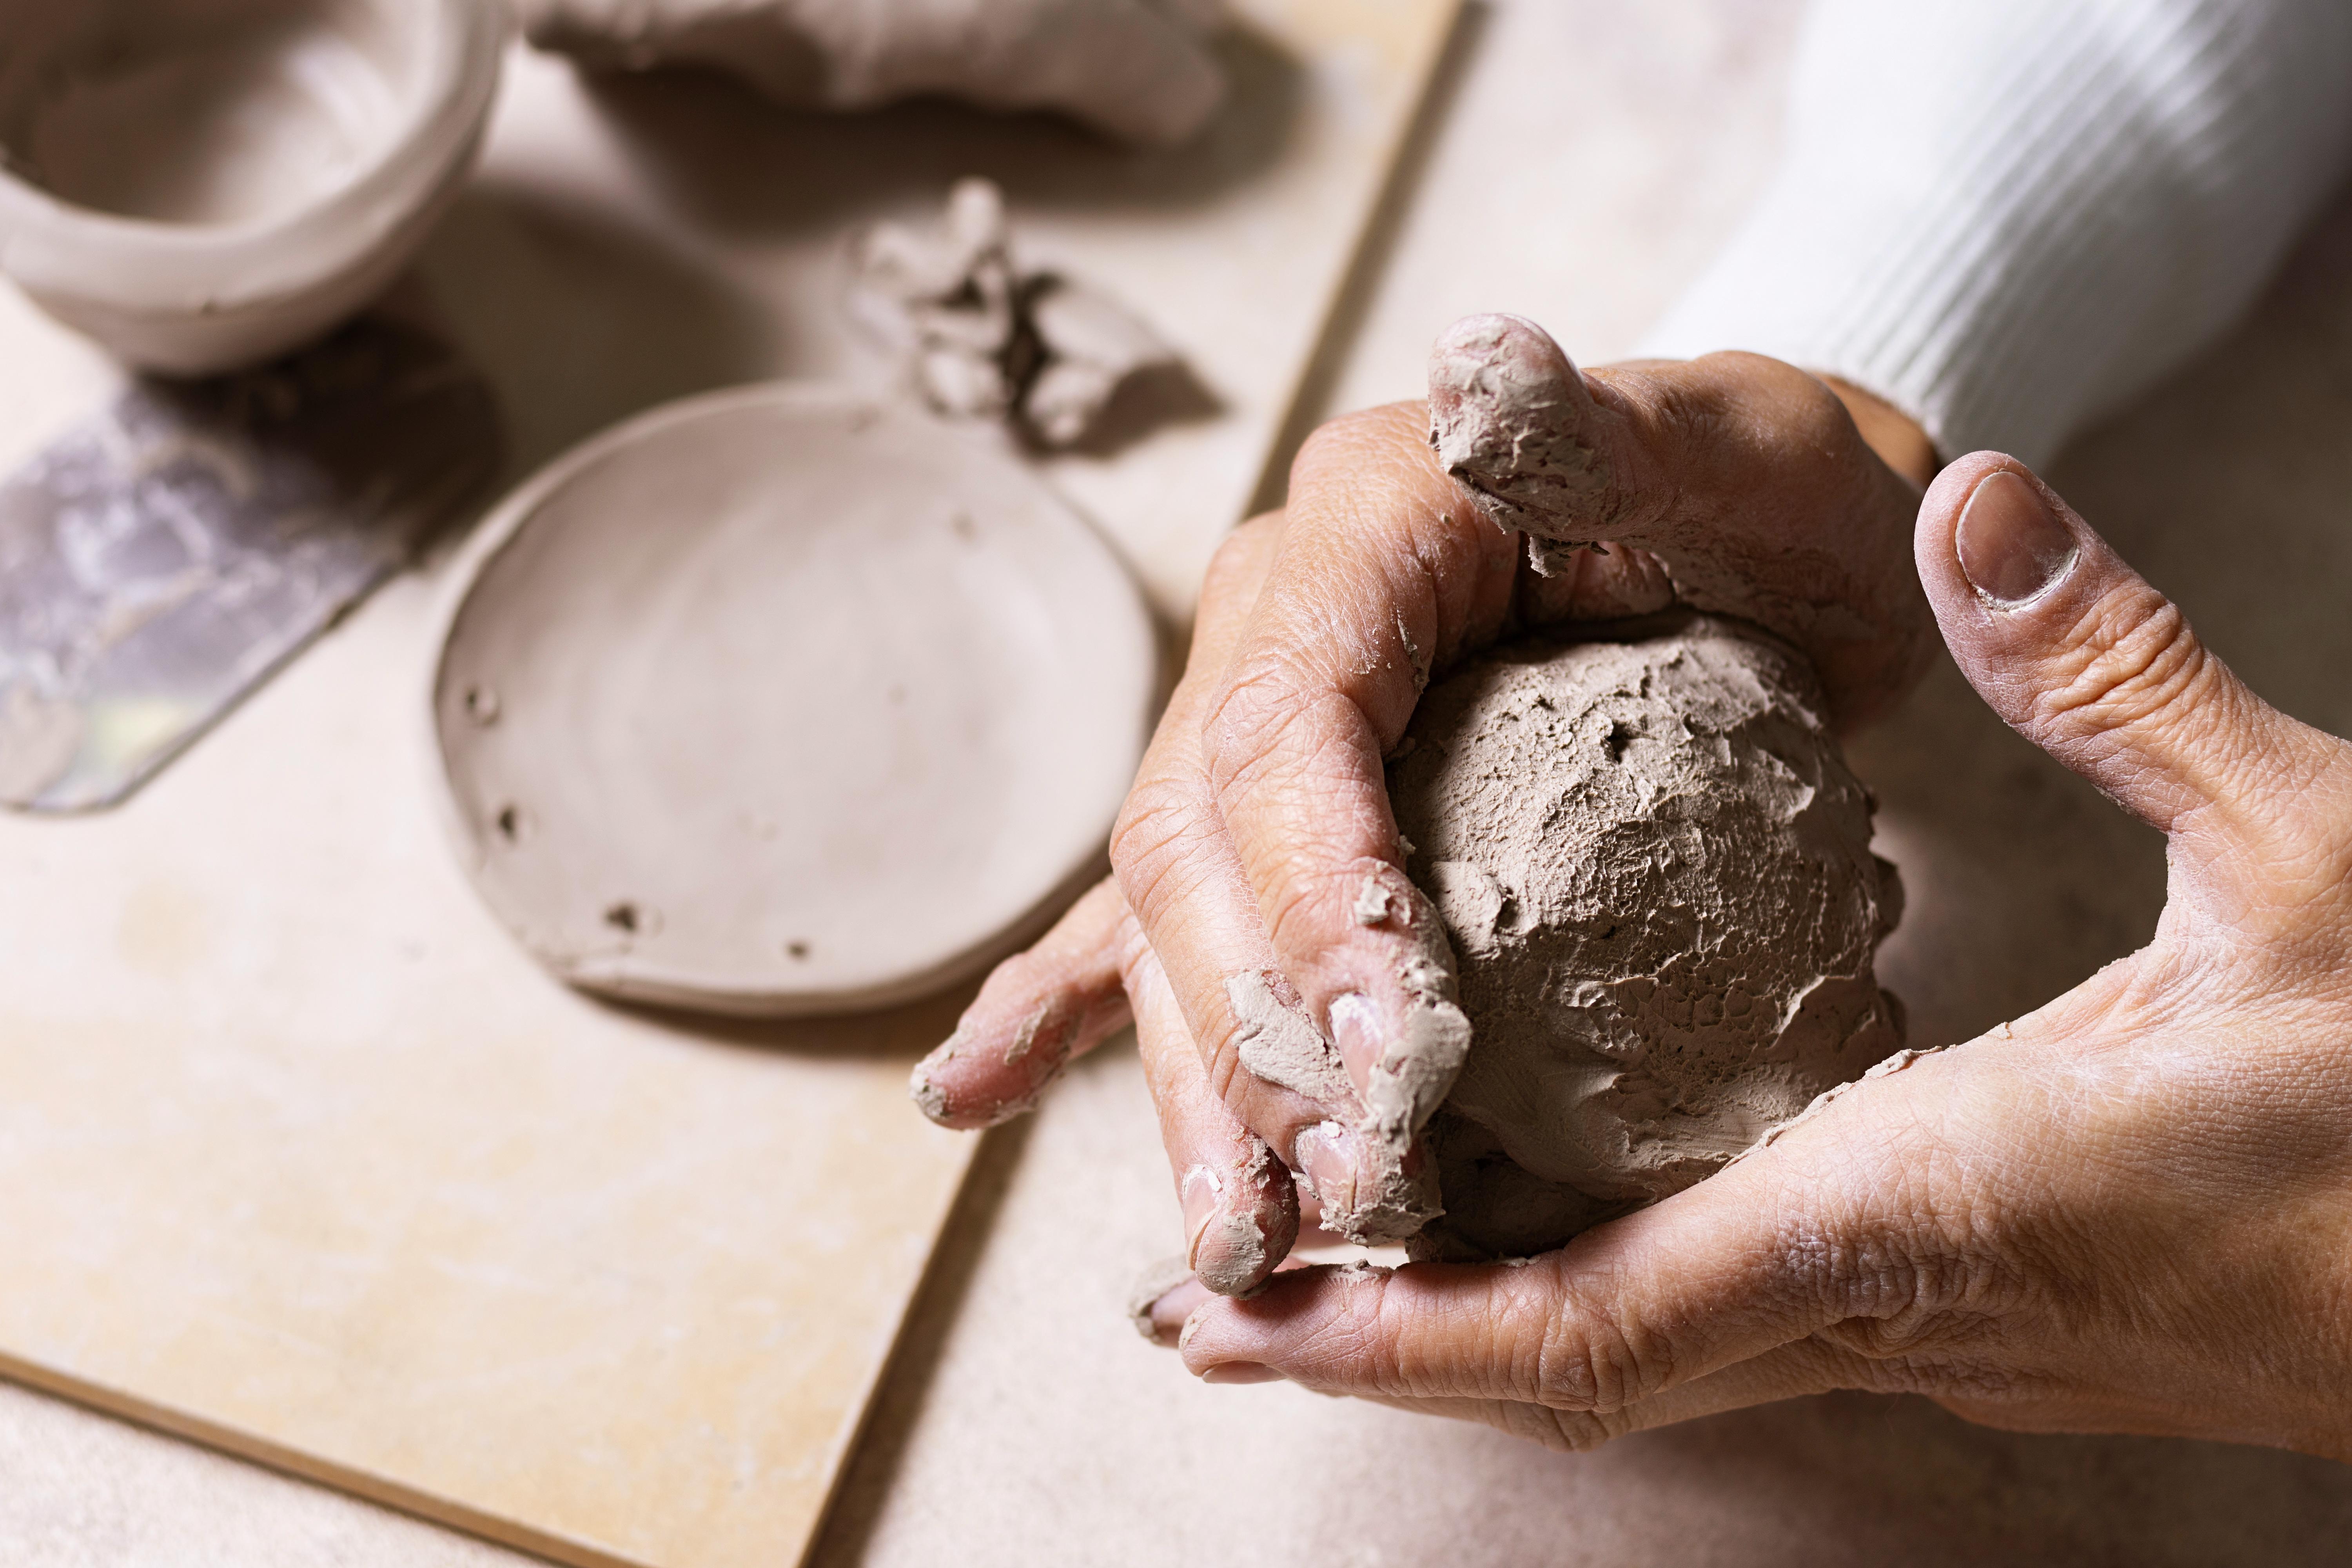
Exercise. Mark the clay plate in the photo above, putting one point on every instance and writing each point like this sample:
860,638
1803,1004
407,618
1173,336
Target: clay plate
781,701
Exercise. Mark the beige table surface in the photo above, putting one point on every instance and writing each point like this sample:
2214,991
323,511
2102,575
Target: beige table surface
1024,1424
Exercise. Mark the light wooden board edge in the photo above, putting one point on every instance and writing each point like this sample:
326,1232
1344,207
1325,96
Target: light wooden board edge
960,1206
239,1444
448,1512
1298,418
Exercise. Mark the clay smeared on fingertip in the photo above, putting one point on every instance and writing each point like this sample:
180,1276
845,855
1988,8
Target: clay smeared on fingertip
1371,1192
1507,414
1039,1047
1372,1189
1251,1228
928,1095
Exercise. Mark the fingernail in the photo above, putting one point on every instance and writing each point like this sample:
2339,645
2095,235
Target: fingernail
1198,1192
1356,1030
1239,1372
2012,547
1325,1155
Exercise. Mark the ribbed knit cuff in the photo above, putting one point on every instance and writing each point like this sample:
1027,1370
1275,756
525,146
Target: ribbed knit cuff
2007,216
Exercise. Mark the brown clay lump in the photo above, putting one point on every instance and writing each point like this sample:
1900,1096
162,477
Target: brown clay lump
1654,869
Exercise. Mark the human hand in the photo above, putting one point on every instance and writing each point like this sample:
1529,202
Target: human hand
1136,69
2130,1210
1271,915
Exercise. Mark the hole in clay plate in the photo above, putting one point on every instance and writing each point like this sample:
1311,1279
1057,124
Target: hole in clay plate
509,824
797,949
625,916
482,705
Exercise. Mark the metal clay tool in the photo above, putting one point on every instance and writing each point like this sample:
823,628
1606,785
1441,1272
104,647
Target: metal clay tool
163,558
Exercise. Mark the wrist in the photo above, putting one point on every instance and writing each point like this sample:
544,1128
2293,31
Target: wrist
1898,439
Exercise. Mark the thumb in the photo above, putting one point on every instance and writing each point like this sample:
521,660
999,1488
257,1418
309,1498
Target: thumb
2081,655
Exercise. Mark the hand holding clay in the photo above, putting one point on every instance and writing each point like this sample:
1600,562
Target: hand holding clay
2130,1211
1136,69
1295,966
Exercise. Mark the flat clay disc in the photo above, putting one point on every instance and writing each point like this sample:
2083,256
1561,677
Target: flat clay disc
782,700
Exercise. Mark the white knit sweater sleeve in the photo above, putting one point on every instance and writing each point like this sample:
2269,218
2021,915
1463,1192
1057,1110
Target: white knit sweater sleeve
2007,216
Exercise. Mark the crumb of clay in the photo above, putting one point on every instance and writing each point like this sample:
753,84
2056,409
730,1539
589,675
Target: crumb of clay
980,339
1655,871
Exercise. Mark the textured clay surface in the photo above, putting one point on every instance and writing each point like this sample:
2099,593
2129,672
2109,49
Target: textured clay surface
1654,869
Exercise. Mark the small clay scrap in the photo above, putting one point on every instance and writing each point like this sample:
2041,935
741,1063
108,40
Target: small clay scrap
982,340
1656,872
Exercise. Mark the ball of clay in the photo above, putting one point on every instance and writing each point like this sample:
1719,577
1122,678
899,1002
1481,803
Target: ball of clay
1656,872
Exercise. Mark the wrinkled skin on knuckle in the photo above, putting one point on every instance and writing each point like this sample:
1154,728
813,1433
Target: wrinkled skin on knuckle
1589,1360
2128,665
1388,444
1922,1248
1351,1344
1272,725
1157,832
1245,725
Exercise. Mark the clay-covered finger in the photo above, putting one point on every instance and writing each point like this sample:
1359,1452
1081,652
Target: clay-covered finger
1769,1252
1039,1010
1239,1202
1166,1295
1265,1055
1747,479
1385,572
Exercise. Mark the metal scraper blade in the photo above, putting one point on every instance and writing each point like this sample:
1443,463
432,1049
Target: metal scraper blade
163,558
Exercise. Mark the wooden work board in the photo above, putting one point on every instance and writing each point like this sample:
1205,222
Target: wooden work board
299,1156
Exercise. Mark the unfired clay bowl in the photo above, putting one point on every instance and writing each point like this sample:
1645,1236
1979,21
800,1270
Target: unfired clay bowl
781,701
199,184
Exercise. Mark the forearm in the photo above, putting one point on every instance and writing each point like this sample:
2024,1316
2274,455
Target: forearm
2005,217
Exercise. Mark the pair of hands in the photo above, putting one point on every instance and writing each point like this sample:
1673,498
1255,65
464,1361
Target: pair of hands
2130,1211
